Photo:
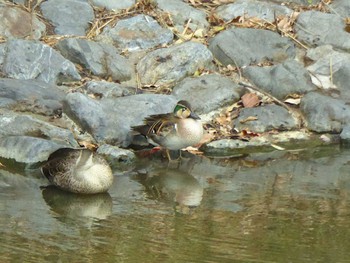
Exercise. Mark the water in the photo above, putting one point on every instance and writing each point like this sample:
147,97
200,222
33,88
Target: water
281,206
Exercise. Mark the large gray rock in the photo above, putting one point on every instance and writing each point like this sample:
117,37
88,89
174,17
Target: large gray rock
113,4
251,8
167,66
136,33
69,17
181,13
104,89
101,59
30,96
25,59
340,7
208,92
17,23
330,70
110,120
298,2
14,124
269,117
317,28
323,113
26,149
242,47
281,80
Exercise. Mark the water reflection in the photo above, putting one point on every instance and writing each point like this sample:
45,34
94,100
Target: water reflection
281,206
176,186
71,205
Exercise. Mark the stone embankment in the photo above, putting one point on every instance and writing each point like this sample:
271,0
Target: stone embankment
76,72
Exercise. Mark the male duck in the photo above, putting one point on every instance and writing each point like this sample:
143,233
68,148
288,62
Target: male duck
78,171
173,131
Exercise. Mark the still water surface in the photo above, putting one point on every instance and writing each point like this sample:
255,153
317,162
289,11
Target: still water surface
282,206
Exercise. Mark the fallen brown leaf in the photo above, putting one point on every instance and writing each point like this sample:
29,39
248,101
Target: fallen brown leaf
250,100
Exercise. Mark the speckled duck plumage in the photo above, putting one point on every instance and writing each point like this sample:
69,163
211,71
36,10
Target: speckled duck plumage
173,131
78,171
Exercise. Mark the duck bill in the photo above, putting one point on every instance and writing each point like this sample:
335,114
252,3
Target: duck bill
194,116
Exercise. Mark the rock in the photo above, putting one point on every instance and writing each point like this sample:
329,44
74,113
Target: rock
31,96
264,140
110,120
26,149
14,124
17,23
136,33
69,17
101,59
340,7
208,92
242,47
333,77
251,8
104,89
116,154
181,13
317,28
167,66
25,59
299,2
20,2
281,80
113,4
269,117
345,134
323,113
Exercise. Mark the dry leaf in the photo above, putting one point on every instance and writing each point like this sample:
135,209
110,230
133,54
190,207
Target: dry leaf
250,118
277,147
246,133
250,100
293,101
88,145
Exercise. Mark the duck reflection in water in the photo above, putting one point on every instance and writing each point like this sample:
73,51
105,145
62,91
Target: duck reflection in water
180,188
77,206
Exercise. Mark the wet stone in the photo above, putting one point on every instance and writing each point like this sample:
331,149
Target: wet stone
181,12
116,154
27,59
167,66
26,149
31,96
16,23
136,33
268,117
208,92
317,28
251,8
242,47
345,134
323,113
101,59
289,77
69,17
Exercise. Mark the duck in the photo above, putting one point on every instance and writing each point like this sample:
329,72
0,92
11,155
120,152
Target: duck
79,171
173,131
